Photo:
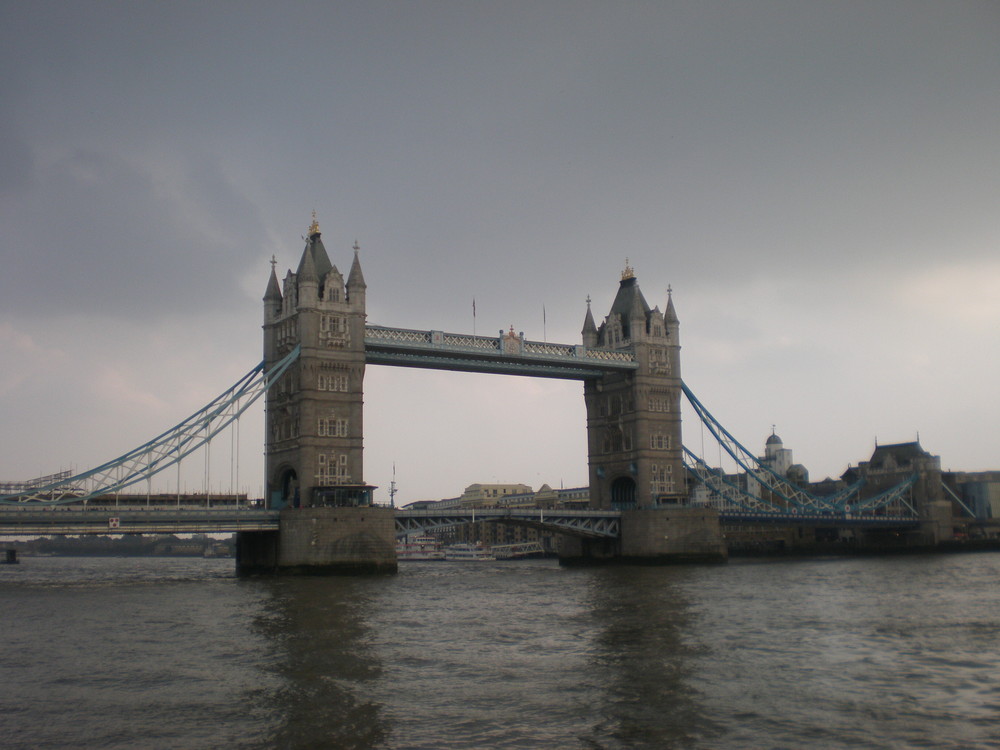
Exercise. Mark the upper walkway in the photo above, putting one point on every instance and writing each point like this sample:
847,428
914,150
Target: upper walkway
506,354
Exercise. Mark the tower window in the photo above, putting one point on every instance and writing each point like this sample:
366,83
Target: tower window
658,441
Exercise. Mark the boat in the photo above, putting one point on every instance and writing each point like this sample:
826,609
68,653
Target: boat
419,548
473,552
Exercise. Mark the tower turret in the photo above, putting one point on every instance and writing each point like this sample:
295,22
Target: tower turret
272,295
589,331
356,285
670,316
272,312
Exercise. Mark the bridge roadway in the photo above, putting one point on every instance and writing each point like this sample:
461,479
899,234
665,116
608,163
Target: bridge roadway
173,520
111,520
61,520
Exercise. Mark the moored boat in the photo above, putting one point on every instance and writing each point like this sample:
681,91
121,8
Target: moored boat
419,548
474,552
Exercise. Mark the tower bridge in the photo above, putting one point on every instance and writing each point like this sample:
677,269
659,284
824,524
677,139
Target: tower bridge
319,512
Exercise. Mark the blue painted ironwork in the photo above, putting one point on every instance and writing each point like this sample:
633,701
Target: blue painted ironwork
890,520
776,496
162,451
585,523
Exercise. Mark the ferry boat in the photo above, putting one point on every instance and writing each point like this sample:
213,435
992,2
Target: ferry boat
474,552
419,548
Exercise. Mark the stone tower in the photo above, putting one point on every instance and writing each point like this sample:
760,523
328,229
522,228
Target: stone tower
633,419
313,440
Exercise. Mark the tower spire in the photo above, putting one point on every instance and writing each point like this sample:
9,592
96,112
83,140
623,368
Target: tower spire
589,331
670,314
356,279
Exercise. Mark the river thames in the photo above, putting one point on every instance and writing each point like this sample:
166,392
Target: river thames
891,652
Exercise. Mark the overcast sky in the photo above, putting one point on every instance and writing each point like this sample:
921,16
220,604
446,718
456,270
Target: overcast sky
819,182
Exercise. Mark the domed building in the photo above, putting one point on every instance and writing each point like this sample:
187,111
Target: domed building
776,456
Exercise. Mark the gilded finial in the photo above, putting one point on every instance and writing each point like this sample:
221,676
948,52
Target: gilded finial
357,247
670,290
274,262
629,272
314,227
588,301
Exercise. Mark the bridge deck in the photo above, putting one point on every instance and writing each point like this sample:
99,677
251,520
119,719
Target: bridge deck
110,520
33,521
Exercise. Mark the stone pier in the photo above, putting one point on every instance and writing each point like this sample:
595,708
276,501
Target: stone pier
655,536
322,541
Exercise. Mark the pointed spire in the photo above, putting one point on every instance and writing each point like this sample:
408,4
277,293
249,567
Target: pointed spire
307,267
589,328
356,279
273,288
315,248
320,258
639,308
670,316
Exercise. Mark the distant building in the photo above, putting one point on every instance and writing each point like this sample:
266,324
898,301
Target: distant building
976,492
488,495
776,456
892,464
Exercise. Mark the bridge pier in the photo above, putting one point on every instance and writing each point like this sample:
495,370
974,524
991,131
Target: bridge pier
654,536
672,535
321,541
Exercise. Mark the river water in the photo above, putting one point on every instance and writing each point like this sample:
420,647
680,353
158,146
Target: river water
892,652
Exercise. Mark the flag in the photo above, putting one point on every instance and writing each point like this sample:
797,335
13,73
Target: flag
473,307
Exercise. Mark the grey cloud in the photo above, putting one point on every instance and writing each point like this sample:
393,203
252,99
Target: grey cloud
97,235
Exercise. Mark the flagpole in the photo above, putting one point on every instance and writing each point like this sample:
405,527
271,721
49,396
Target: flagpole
473,316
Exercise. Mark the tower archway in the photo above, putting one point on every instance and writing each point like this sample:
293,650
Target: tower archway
288,489
623,495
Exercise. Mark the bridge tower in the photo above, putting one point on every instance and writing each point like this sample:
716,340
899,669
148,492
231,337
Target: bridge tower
313,441
313,428
633,419
634,440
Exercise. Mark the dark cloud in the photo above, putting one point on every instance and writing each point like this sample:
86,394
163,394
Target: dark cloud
15,161
96,234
